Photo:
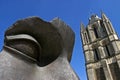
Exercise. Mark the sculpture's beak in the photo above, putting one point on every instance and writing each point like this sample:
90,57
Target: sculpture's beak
35,38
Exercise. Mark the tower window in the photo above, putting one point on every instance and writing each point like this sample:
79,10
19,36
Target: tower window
108,52
95,31
100,74
109,49
103,30
96,54
115,70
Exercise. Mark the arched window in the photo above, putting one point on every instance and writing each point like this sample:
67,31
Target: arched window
102,29
96,54
115,71
109,50
96,33
100,75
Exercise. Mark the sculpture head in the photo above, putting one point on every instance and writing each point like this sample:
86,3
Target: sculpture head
42,41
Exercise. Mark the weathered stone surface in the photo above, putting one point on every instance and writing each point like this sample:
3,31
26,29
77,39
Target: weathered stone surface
101,47
37,50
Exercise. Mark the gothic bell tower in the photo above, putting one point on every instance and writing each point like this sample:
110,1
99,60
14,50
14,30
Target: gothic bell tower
101,47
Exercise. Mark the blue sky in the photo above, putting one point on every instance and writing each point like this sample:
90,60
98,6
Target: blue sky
72,12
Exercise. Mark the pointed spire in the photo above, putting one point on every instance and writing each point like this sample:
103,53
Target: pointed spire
55,19
82,27
104,17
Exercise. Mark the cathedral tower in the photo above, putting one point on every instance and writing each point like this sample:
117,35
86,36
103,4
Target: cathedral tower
101,47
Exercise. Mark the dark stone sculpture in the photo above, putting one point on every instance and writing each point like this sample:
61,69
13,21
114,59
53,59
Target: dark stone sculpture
37,50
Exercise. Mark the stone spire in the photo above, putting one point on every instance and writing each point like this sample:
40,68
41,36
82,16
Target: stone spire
104,17
82,27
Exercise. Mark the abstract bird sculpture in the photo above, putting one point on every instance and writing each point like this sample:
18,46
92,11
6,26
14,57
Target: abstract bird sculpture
37,50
